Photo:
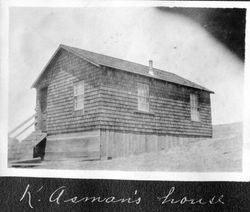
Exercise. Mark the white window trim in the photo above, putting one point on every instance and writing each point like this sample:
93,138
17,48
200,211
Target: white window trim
143,97
194,107
79,96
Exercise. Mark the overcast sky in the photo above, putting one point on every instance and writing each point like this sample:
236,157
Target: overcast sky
174,42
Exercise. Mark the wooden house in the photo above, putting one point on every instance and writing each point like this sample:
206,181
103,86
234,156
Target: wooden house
99,107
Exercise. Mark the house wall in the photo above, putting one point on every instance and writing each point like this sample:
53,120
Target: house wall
110,111
60,76
73,146
111,101
119,144
169,107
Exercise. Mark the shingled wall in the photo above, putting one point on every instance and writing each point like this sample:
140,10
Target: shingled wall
169,107
60,76
110,112
111,101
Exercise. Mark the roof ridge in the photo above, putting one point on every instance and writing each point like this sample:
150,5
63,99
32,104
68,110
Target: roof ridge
158,69
98,59
110,56
145,66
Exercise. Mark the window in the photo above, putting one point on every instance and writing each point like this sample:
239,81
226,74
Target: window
143,97
194,104
79,96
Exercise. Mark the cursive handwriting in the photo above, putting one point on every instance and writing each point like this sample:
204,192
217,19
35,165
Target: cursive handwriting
185,200
58,197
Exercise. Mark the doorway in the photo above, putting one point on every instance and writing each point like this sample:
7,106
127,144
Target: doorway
43,106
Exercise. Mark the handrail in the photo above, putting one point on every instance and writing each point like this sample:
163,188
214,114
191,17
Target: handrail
20,125
24,130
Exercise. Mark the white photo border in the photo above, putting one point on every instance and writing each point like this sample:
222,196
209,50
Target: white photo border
121,175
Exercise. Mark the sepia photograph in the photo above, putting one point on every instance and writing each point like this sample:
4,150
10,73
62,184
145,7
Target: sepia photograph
151,89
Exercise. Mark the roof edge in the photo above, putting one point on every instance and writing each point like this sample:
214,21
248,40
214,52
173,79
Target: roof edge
158,78
61,46
68,49
75,53
46,65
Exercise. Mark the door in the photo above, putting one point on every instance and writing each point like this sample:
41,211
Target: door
43,105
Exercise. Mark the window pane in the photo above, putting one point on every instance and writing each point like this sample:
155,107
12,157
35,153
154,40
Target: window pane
194,105
79,96
75,90
143,97
75,102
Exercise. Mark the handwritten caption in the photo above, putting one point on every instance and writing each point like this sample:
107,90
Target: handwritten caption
31,196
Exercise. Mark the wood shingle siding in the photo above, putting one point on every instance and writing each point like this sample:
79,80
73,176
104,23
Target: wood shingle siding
169,107
110,109
111,101
64,70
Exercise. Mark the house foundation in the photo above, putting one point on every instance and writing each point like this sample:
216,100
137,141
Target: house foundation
118,144
75,146
106,144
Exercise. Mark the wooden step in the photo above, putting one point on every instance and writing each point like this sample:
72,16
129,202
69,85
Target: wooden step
32,162
24,150
25,165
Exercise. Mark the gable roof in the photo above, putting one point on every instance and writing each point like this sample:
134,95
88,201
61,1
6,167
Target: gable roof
108,61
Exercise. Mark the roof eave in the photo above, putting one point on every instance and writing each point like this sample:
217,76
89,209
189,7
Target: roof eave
75,53
66,48
158,78
52,57
45,67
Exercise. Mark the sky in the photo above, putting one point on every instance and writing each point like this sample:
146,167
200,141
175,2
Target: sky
175,43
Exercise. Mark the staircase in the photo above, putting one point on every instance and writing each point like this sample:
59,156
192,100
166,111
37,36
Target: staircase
22,153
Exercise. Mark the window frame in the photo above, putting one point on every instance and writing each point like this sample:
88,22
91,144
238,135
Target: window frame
194,107
78,95
143,97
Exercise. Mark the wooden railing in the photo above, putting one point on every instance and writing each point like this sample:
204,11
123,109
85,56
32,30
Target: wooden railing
12,133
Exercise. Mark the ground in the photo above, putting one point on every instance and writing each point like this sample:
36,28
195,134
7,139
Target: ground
221,153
